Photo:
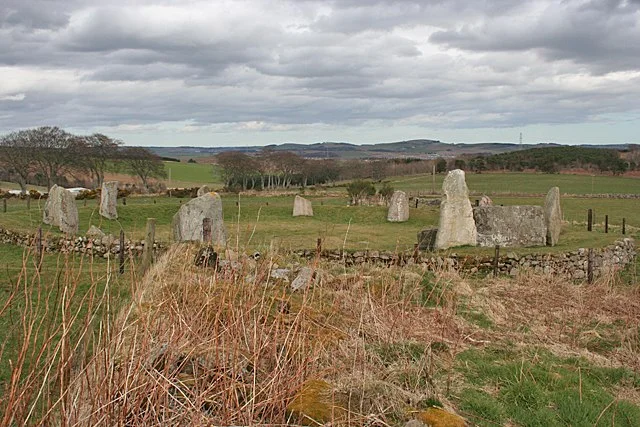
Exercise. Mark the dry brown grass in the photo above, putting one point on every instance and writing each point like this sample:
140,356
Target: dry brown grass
200,347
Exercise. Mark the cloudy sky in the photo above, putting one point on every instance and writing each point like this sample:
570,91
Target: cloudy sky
258,72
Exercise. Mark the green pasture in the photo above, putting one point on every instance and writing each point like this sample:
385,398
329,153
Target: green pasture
191,174
42,291
528,183
254,222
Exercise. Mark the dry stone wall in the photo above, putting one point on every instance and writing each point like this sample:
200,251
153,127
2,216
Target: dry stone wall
571,265
99,246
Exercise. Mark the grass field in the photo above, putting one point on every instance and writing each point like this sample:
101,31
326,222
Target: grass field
532,183
191,174
63,283
259,221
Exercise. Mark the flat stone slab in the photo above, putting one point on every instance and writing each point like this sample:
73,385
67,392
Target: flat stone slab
510,226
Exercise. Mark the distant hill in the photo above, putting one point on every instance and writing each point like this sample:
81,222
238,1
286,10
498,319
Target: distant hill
416,148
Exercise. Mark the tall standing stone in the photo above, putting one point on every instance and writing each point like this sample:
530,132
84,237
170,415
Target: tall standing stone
398,207
109,200
187,222
553,216
60,210
302,207
457,227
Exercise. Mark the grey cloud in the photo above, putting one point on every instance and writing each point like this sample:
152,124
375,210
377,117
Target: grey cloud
602,34
336,63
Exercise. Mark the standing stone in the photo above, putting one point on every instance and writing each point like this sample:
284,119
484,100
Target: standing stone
187,222
427,239
108,200
510,226
398,207
204,190
553,216
457,227
485,201
302,207
60,210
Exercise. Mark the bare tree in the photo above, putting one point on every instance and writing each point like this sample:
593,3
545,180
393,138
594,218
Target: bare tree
55,152
99,152
144,164
17,156
238,168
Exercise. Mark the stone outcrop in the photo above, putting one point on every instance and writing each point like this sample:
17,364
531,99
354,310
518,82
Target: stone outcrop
303,280
187,222
60,210
485,201
95,233
427,239
204,190
510,226
553,216
457,227
302,207
108,200
398,207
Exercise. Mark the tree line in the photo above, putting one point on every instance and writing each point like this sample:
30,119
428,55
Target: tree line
270,169
50,155
553,160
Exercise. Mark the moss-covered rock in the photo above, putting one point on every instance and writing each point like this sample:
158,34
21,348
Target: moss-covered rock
317,403
436,417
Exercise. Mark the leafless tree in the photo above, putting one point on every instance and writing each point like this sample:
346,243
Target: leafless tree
143,163
238,168
16,155
100,152
55,152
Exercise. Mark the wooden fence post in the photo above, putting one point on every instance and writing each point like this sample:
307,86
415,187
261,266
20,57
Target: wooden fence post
28,201
149,240
589,220
624,229
590,266
416,253
121,251
606,223
495,261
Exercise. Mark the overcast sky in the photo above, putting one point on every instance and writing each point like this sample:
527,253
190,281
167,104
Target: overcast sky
256,72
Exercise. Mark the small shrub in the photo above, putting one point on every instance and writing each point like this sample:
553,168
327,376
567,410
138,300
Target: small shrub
360,189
